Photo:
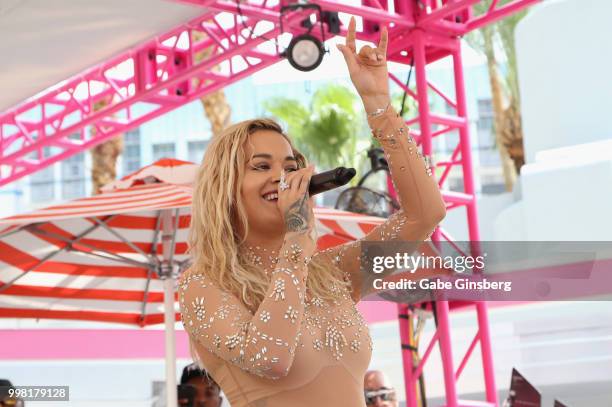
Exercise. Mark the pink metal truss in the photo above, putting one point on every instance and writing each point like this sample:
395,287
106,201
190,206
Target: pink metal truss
163,74
432,125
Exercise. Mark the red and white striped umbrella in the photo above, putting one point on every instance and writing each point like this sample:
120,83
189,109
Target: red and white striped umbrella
100,258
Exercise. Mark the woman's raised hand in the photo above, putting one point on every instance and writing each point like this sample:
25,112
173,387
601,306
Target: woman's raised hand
294,203
368,68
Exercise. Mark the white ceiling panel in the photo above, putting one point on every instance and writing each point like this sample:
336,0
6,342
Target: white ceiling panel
43,42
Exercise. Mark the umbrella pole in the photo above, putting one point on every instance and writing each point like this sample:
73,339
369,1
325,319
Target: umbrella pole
171,395
167,269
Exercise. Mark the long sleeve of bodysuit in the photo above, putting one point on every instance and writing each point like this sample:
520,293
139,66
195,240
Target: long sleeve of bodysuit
422,206
262,343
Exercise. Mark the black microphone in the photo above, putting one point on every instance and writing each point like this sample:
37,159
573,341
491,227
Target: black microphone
330,179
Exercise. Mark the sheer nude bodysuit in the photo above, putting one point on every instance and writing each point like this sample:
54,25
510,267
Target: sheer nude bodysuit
297,350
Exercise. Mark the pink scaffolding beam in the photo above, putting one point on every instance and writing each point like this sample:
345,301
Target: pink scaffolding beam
421,47
162,74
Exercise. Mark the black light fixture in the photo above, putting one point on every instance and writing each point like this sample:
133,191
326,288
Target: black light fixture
305,51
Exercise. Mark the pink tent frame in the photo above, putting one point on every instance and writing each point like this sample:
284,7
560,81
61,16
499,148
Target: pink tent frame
422,44
163,74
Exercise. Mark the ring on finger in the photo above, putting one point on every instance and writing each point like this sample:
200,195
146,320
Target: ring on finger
283,184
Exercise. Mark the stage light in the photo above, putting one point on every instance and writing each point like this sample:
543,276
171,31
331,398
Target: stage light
305,52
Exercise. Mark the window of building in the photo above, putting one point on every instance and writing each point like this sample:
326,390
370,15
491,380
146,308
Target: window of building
131,151
73,176
446,142
196,150
488,153
490,173
42,182
456,183
494,188
42,188
485,124
163,150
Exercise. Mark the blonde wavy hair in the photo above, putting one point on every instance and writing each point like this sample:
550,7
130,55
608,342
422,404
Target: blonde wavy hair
218,214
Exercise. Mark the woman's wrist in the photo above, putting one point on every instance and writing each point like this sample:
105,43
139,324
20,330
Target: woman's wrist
376,104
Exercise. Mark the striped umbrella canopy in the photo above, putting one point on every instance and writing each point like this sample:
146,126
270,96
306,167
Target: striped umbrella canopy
105,257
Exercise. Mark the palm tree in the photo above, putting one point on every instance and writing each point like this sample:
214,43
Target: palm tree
496,41
329,130
104,156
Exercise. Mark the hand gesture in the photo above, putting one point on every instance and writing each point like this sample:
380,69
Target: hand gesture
368,68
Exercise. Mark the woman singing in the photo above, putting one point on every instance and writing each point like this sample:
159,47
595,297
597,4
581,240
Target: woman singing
273,321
